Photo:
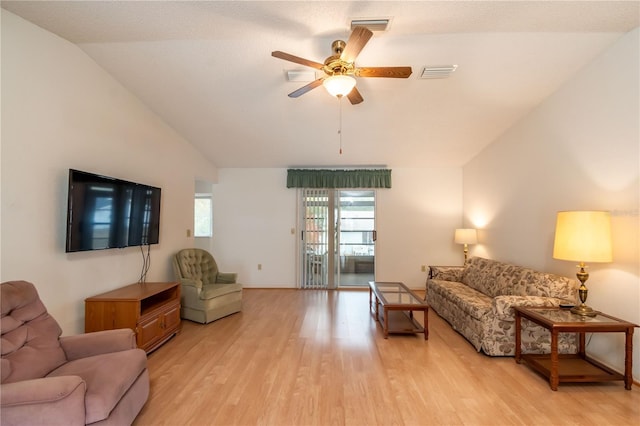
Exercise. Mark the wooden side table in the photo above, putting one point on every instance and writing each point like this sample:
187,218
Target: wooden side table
559,368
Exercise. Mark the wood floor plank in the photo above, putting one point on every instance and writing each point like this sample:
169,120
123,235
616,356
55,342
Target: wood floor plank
313,357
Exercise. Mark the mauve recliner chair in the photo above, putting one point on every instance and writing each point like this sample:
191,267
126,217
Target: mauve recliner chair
96,378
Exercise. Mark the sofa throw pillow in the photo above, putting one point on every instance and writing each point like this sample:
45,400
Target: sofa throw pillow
446,273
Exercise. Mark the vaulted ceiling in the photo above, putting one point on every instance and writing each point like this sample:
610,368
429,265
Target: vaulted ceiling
206,68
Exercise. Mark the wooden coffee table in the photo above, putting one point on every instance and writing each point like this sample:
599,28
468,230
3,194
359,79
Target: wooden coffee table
559,368
398,304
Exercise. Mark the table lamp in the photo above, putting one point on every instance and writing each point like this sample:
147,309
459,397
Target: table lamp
466,236
583,236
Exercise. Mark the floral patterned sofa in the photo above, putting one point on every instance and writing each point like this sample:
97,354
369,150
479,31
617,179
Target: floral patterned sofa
477,300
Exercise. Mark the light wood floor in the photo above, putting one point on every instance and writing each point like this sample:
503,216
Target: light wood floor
306,357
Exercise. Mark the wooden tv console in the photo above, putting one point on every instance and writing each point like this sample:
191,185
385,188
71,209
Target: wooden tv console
151,310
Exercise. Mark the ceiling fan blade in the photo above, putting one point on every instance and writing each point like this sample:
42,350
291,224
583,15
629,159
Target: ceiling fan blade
304,89
297,60
354,96
389,72
357,40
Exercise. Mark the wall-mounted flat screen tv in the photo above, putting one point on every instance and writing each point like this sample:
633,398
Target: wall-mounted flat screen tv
105,212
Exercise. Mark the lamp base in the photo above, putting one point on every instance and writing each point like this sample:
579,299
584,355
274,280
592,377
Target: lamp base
583,310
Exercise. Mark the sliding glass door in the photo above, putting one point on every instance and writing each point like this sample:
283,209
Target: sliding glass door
338,238
355,215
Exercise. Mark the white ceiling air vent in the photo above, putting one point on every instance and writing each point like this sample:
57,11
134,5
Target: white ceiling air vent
438,71
371,24
300,75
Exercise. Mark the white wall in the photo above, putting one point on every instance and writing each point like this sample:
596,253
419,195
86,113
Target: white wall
254,214
60,111
579,150
416,220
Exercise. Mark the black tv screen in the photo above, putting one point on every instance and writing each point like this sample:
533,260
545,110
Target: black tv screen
105,212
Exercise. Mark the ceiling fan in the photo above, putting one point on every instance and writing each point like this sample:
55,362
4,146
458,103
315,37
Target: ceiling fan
340,68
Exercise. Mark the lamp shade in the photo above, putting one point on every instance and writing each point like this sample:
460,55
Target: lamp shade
583,236
466,236
339,85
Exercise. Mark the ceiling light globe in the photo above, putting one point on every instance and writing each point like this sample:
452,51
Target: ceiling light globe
339,85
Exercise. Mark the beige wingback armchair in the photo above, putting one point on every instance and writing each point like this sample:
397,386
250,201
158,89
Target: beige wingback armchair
94,378
207,294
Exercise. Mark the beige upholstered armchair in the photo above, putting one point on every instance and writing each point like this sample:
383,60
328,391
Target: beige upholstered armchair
96,378
207,294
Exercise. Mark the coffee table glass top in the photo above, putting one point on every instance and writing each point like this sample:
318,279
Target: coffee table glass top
395,293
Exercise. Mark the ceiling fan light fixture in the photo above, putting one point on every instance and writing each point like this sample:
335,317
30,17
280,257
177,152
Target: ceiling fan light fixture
339,85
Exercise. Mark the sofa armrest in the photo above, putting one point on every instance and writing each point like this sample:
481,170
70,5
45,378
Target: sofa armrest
502,306
49,400
226,278
446,273
99,342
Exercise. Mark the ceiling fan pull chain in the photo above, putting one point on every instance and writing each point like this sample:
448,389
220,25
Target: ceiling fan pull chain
340,129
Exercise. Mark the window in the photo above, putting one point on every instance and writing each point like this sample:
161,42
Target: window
203,216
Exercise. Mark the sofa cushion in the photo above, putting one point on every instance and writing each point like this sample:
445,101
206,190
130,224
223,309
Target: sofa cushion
29,345
495,278
468,300
519,281
108,377
480,274
550,285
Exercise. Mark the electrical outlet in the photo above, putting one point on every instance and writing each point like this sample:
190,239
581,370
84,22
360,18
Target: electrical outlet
188,233
259,266
423,268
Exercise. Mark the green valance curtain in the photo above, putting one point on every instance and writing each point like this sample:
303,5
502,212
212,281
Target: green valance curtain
322,178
